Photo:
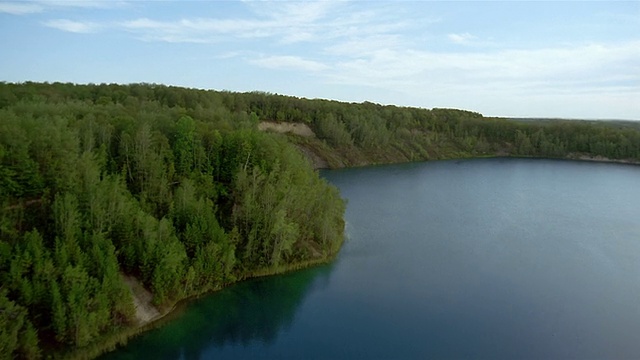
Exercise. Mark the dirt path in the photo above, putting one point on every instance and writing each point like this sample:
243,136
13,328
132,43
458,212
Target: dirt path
145,311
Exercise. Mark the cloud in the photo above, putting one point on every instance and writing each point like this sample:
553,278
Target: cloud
507,81
21,8
282,22
461,39
198,30
73,26
367,46
91,4
228,55
32,7
289,22
289,63
538,68
293,12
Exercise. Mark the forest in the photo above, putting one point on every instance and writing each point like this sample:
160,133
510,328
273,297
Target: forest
179,189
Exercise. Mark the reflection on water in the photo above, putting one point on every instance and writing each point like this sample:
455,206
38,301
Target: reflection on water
493,259
254,311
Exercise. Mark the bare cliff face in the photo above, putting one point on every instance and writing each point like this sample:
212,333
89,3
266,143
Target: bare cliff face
283,127
316,161
299,129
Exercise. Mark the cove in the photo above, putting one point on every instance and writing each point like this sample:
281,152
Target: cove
488,258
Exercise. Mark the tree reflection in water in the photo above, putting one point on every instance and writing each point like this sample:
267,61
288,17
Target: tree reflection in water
252,312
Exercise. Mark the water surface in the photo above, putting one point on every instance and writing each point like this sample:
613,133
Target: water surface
495,258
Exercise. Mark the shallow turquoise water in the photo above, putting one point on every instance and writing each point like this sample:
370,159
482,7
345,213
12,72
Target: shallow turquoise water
492,258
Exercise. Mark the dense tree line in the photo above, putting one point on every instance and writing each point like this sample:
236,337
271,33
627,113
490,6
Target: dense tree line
177,188
98,182
359,133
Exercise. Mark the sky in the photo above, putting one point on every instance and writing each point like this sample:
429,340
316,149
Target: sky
567,59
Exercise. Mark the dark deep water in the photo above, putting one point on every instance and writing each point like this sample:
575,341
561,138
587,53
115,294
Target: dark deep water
495,258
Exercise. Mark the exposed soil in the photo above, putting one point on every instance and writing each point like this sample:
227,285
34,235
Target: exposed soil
316,161
301,130
283,127
600,158
145,311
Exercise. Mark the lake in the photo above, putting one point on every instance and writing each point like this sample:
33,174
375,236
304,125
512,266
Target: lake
488,258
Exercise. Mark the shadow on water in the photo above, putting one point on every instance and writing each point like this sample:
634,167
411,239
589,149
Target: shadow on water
250,312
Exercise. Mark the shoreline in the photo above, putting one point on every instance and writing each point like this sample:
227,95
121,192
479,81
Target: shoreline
112,342
603,159
569,157
120,338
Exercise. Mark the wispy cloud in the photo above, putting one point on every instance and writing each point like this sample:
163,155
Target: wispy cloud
31,7
283,23
289,22
546,75
289,63
594,80
228,55
291,12
90,4
79,27
366,46
20,8
461,39
198,30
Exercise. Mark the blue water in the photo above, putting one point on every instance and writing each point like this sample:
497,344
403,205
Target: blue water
492,258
